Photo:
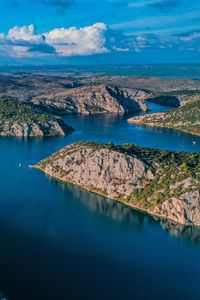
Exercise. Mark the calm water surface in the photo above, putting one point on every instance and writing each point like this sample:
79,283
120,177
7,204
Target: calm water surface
59,242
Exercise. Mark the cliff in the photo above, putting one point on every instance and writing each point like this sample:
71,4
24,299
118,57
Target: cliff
93,99
165,184
34,128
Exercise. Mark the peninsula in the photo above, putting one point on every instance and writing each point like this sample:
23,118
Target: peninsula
162,183
25,120
185,118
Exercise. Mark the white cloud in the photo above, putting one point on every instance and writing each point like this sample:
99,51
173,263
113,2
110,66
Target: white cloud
73,41
24,33
95,39
190,37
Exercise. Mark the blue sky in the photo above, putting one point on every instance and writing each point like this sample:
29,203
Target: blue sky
106,31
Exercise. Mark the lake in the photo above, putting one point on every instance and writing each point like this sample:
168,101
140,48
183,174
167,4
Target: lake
60,242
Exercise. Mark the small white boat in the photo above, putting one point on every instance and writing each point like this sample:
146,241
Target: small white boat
20,165
194,142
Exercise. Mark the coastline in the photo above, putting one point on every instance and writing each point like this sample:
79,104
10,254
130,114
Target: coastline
137,208
135,121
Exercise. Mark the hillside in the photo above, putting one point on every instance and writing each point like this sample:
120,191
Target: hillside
22,119
34,87
185,118
94,99
162,183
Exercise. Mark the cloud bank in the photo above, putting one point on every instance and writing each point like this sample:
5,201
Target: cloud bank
89,40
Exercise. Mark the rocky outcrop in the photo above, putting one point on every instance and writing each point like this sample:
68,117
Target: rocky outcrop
35,129
184,209
117,174
94,99
24,119
102,170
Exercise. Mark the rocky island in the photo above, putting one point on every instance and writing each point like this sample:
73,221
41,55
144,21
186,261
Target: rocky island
162,183
185,118
25,120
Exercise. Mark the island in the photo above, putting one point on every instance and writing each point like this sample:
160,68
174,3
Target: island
26,120
185,118
164,184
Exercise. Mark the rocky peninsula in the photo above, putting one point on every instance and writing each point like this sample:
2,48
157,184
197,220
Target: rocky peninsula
185,118
25,120
162,183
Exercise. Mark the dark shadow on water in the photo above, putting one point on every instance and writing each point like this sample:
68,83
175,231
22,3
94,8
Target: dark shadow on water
122,213
189,234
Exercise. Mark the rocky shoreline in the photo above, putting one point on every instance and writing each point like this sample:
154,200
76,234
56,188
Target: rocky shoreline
138,177
35,129
185,118
25,120
50,95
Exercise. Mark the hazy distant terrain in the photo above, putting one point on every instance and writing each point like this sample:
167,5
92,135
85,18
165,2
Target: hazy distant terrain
106,94
26,86
159,70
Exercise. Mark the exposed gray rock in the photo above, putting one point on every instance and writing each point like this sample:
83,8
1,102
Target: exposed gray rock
35,129
94,99
101,170
184,209
107,171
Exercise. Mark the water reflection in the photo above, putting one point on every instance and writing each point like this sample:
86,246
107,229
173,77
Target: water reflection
189,234
127,215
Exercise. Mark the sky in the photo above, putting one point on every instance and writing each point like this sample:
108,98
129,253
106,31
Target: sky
99,31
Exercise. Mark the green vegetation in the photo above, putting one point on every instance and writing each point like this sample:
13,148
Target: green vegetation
185,118
15,111
171,170
174,172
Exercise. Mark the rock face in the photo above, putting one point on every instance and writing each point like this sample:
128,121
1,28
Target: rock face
94,99
35,129
125,177
104,171
24,119
184,209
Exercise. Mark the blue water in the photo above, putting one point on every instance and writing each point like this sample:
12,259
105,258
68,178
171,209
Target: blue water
60,242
